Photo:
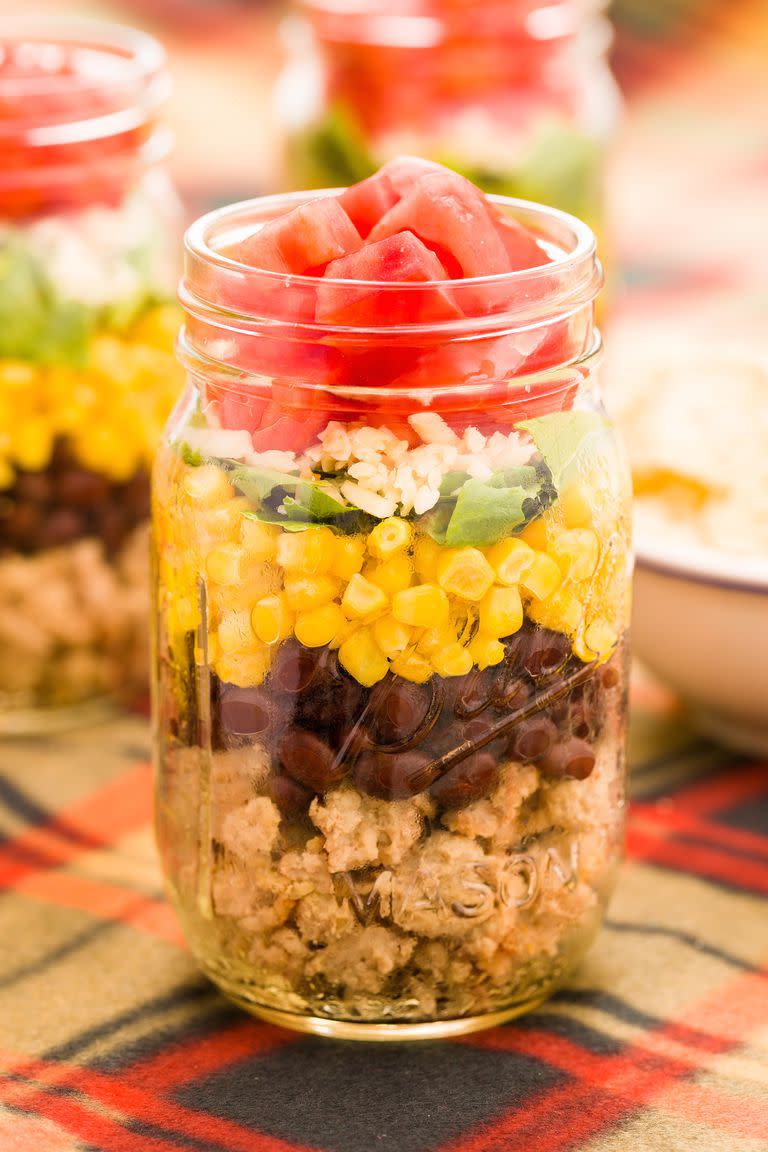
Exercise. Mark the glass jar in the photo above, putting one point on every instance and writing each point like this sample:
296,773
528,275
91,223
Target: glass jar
518,96
88,226
392,579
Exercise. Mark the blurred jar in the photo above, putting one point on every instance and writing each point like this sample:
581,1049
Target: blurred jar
516,95
88,226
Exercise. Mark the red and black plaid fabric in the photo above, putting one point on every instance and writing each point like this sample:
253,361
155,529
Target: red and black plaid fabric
110,1041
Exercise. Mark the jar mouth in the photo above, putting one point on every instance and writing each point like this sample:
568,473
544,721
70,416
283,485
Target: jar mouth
566,285
63,65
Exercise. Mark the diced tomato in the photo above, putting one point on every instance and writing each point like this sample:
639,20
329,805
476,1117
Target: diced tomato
398,259
522,247
287,433
403,172
445,210
365,203
303,240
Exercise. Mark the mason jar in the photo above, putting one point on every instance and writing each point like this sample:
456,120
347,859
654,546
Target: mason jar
88,228
392,578
516,95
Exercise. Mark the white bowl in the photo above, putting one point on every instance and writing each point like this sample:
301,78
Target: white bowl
700,623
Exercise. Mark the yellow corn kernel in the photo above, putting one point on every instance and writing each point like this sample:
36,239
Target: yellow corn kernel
222,522
391,636
310,552
510,559
425,606
576,506
542,578
464,572
32,444
597,642
347,629
306,592
391,575
235,632
433,639
259,540
361,656
362,598
390,536
245,669
486,651
208,485
272,618
412,667
577,552
224,564
348,553
318,627
536,535
426,553
501,612
452,661
562,612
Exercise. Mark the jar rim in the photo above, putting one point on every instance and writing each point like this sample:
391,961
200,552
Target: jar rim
577,271
423,25
141,85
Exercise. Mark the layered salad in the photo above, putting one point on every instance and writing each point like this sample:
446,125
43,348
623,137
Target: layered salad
391,650
87,378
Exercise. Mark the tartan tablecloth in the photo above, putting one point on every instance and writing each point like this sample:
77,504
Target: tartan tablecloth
110,1040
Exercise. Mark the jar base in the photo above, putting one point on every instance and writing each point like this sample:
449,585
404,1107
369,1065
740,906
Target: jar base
368,1031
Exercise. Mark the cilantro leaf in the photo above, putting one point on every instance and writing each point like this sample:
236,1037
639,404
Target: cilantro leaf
561,438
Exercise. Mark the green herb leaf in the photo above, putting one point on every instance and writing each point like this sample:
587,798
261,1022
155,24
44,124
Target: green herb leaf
485,514
190,456
562,437
34,324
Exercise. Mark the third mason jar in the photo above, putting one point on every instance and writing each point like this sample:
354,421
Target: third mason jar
391,541
518,95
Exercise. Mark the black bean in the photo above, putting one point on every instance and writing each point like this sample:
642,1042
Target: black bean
22,526
292,798
33,486
399,711
244,711
474,692
295,667
546,652
469,780
534,737
573,758
81,488
309,760
332,700
396,775
61,527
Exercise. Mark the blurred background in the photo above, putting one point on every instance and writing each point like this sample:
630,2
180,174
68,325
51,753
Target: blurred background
688,169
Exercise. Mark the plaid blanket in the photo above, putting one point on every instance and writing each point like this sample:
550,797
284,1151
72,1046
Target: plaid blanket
110,1040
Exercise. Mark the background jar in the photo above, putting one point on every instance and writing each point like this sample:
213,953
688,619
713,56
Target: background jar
517,96
89,223
390,721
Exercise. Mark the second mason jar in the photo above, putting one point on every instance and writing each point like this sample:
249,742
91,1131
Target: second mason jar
518,95
392,591
88,231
